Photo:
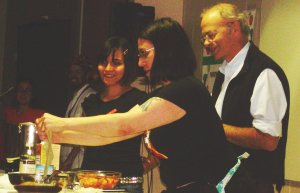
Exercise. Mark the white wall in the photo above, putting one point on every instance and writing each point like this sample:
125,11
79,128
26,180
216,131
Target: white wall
280,39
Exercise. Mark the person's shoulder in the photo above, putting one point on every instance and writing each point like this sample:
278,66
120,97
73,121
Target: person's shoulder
91,90
260,58
262,61
135,93
189,83
182,87
87,90
192,87
37,111
9,110
91,99
138,92
92,96
134,96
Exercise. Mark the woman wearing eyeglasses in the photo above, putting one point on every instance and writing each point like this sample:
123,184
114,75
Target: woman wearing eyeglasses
179,121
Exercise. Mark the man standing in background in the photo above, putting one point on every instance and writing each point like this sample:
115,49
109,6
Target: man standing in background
80,76
251,95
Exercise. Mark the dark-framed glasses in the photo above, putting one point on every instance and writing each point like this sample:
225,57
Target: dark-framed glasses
143,53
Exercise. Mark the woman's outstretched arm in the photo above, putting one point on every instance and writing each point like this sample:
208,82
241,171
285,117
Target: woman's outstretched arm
154,113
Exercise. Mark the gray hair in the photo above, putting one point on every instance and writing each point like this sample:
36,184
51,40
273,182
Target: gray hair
230,12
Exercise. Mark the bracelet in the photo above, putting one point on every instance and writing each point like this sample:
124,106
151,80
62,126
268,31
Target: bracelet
131,180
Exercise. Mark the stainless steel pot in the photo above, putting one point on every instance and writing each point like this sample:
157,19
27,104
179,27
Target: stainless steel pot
28,137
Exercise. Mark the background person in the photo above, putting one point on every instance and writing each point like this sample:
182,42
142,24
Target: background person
22,110
81,80
251,95
186,132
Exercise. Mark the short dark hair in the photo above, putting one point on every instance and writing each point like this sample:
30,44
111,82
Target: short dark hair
24,80
174,57
129,51
81,59
19,81
85,65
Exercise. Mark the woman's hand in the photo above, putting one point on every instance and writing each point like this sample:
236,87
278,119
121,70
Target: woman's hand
42,134
49,122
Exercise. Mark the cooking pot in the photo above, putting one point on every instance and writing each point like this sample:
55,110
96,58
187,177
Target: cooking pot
32,183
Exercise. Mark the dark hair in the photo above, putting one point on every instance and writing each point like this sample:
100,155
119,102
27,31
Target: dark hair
130,56
87,68
174,57
19,81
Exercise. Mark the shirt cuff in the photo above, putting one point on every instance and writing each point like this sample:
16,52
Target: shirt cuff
274,129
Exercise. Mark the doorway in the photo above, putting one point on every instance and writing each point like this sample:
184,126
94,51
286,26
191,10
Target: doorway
43,56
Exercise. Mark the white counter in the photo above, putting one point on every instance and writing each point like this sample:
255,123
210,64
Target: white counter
5,186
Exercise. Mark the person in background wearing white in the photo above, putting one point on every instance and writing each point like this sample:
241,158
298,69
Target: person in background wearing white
80,77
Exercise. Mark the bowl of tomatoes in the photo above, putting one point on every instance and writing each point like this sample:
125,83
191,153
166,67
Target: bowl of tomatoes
98,179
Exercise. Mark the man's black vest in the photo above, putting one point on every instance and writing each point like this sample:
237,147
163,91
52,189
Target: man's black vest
265,165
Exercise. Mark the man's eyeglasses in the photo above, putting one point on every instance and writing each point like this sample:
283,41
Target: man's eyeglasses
142,53
208,37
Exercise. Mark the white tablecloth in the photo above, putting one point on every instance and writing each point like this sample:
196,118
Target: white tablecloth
5,186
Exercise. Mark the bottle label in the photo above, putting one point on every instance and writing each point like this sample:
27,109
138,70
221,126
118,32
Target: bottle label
27,166
39,169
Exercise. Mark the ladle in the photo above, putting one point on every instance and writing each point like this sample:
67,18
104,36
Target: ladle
48,179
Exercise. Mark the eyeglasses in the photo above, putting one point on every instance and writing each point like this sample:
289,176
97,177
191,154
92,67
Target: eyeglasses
142,53
208,37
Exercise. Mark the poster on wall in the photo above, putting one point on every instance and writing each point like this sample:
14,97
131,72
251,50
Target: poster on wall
210,66
251,17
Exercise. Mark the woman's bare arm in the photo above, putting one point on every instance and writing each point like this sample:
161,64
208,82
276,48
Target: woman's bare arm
153,113
85,139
